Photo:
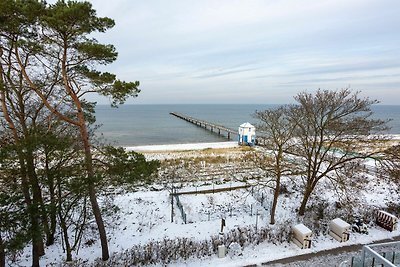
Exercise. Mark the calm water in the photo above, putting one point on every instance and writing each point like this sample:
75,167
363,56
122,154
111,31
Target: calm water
152,124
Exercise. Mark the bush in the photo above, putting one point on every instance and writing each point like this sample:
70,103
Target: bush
167,250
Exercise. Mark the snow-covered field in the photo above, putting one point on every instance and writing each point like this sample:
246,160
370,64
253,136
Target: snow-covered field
147,215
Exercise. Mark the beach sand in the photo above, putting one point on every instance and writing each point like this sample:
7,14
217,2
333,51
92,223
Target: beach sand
182,147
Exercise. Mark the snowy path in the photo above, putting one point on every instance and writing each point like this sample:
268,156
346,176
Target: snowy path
331,257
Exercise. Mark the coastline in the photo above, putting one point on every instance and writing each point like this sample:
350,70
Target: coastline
182,147
201,146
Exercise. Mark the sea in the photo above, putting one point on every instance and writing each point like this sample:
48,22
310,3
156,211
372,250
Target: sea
133,125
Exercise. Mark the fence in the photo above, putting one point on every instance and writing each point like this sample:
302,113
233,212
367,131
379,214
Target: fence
257,209
180,207
384,254
261,197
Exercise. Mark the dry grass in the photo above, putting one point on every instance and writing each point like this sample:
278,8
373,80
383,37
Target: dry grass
210,156
203,151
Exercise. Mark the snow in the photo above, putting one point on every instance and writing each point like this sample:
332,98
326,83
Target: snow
267,252
145,216
237,207
302,229
340,224
246,125
388,214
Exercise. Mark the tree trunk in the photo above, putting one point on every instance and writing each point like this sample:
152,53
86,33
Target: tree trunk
37,196
2,253
37,199
275,201
53,204
278,183
66,238
100,223
37,247
63,225
306,196
78,236
37,241
53,218
91,186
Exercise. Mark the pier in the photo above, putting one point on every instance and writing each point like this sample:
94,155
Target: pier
215,128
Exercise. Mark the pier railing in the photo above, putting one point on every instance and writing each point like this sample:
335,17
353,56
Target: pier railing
215,128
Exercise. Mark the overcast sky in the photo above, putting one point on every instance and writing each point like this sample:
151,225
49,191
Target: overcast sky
264,52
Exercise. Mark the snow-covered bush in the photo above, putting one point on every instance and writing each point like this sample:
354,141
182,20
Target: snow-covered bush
234,249
171,250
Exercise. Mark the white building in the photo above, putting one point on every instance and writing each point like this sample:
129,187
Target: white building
247,134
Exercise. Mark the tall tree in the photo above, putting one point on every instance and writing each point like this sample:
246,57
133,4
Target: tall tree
16,18
47,50
62,173
14,225
333,129
67,59
276,132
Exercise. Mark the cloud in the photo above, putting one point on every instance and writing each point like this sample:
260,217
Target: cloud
232,51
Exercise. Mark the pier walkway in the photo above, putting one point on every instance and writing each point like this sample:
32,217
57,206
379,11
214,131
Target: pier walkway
215,128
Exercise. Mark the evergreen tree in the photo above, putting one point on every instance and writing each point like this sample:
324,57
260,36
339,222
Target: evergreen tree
65,56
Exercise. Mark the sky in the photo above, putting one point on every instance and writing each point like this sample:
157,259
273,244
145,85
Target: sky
249,51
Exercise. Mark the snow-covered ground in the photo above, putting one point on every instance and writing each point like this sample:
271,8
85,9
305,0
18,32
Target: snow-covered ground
145,216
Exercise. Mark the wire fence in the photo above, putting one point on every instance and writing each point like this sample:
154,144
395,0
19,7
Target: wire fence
215,210
180,207
262,197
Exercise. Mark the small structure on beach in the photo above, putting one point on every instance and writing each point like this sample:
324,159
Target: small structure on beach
247,134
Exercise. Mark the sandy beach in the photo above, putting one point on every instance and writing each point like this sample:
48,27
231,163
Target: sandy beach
201,146
182,147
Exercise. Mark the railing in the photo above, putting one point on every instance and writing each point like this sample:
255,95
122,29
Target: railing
202,123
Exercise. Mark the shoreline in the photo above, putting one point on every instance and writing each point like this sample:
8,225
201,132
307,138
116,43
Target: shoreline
182,147
200,146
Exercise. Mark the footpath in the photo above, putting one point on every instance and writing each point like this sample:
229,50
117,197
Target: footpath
326,254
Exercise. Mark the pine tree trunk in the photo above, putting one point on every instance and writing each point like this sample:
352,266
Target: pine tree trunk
37,200
37,241
65,235
2,253
91,186
53,204
63,225
100,223
37,247
53,218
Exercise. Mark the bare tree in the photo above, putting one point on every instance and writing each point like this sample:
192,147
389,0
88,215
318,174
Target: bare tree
390,163
333,129
276,130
